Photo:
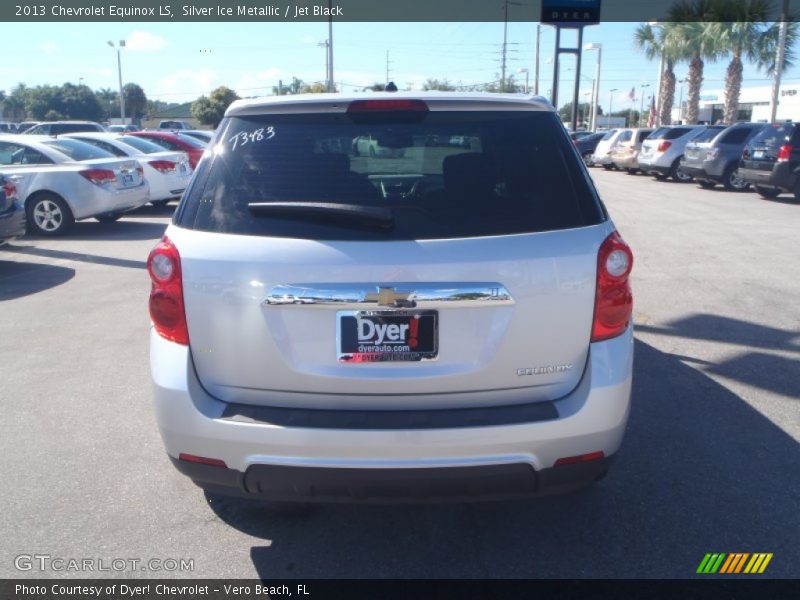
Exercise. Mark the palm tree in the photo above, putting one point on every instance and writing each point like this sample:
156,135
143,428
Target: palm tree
744,32
696,42
658,43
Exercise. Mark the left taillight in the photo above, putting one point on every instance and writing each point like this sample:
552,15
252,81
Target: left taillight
784,153
9,189
163,166
167,309
613,304
99,176
663,146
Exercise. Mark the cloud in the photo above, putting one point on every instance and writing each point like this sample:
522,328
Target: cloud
144,41
187,84
49,48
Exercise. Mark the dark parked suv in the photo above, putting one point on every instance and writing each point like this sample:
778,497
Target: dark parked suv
717,160
771,161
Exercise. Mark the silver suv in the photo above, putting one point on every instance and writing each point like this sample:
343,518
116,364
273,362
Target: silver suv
430,322
662,151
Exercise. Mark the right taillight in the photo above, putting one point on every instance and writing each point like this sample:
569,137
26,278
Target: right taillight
613,304
99,176
9,189
784,152
663,146
163,166
167,309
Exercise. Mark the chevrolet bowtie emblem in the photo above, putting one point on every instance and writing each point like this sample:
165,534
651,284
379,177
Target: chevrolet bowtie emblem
388,296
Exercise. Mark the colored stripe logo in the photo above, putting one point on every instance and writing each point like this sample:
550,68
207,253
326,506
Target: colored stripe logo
733,563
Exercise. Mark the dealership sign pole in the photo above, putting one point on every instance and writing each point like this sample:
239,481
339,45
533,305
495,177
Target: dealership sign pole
569,14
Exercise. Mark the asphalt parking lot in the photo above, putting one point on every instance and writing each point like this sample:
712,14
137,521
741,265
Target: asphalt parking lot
709,463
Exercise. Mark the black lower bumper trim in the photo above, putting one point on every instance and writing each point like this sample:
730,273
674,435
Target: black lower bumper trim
393,485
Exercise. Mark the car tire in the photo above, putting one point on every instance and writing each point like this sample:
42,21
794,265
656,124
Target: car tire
678,175
705,184
732,182
48,214
768,192
108,218
159,203
631,171
587,158
608,167
660,176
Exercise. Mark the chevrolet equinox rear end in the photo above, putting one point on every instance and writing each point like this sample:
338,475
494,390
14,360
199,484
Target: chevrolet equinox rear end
433,320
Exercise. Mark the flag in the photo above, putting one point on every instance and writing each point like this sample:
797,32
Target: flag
632,94
651,118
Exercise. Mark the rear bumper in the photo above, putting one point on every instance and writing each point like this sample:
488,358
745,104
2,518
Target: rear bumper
274,459
604,159
91,200
625,162
12,223
780,176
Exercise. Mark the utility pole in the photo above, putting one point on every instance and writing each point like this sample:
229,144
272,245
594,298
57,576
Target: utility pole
536,71
776,76
119,71
331,86
505,43
387,67
610,106
327,63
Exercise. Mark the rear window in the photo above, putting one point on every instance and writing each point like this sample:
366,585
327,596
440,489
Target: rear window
192,141
77,150
512,172
658,134
774,135
737,135
609,135
141,144
59,128
625,136
708,134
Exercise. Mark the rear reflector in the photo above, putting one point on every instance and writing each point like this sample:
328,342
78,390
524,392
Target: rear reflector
99,176
581,458
202,460
368,106
613,303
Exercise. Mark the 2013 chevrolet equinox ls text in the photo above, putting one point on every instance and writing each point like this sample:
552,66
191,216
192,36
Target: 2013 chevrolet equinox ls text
432,322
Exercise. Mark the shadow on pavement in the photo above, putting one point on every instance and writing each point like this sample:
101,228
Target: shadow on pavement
730,331
126,229
699,471
19,279
77,256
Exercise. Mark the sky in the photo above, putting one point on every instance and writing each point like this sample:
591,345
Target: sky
179,62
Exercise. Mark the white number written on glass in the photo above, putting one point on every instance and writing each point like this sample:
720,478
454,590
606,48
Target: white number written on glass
251,137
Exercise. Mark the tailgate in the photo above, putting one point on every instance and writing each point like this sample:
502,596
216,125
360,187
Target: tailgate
268,317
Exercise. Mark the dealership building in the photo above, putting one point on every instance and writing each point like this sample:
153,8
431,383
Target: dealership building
753,105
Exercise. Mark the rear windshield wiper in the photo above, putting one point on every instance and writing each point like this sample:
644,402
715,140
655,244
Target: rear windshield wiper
378,215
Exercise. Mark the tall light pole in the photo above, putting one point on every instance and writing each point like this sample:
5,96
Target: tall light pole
610,105
641,107
325,45
119,71
596,86
527,75
776,76
331,86
680,103
536,67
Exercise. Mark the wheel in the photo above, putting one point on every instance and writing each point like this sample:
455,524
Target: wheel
767,192
659,176
608,167
108,218
587,158
677,173
732,181
159,203
631,171
706,184
48,214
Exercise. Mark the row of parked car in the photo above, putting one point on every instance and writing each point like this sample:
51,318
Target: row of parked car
49,182
759,155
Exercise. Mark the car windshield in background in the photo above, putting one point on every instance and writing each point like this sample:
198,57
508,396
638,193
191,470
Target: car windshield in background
708,135
609,134
658,134
191,141
775,135
77,150
444,175
141,144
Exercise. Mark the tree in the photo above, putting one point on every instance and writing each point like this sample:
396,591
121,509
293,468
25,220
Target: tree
14,103
743,31
443,85
375,87
584,110
210,110
509,86
109,101
656,43
317,87
695,41
293,88
135,101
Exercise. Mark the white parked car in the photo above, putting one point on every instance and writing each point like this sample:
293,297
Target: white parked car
167,172
605,147
330,328
61,180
